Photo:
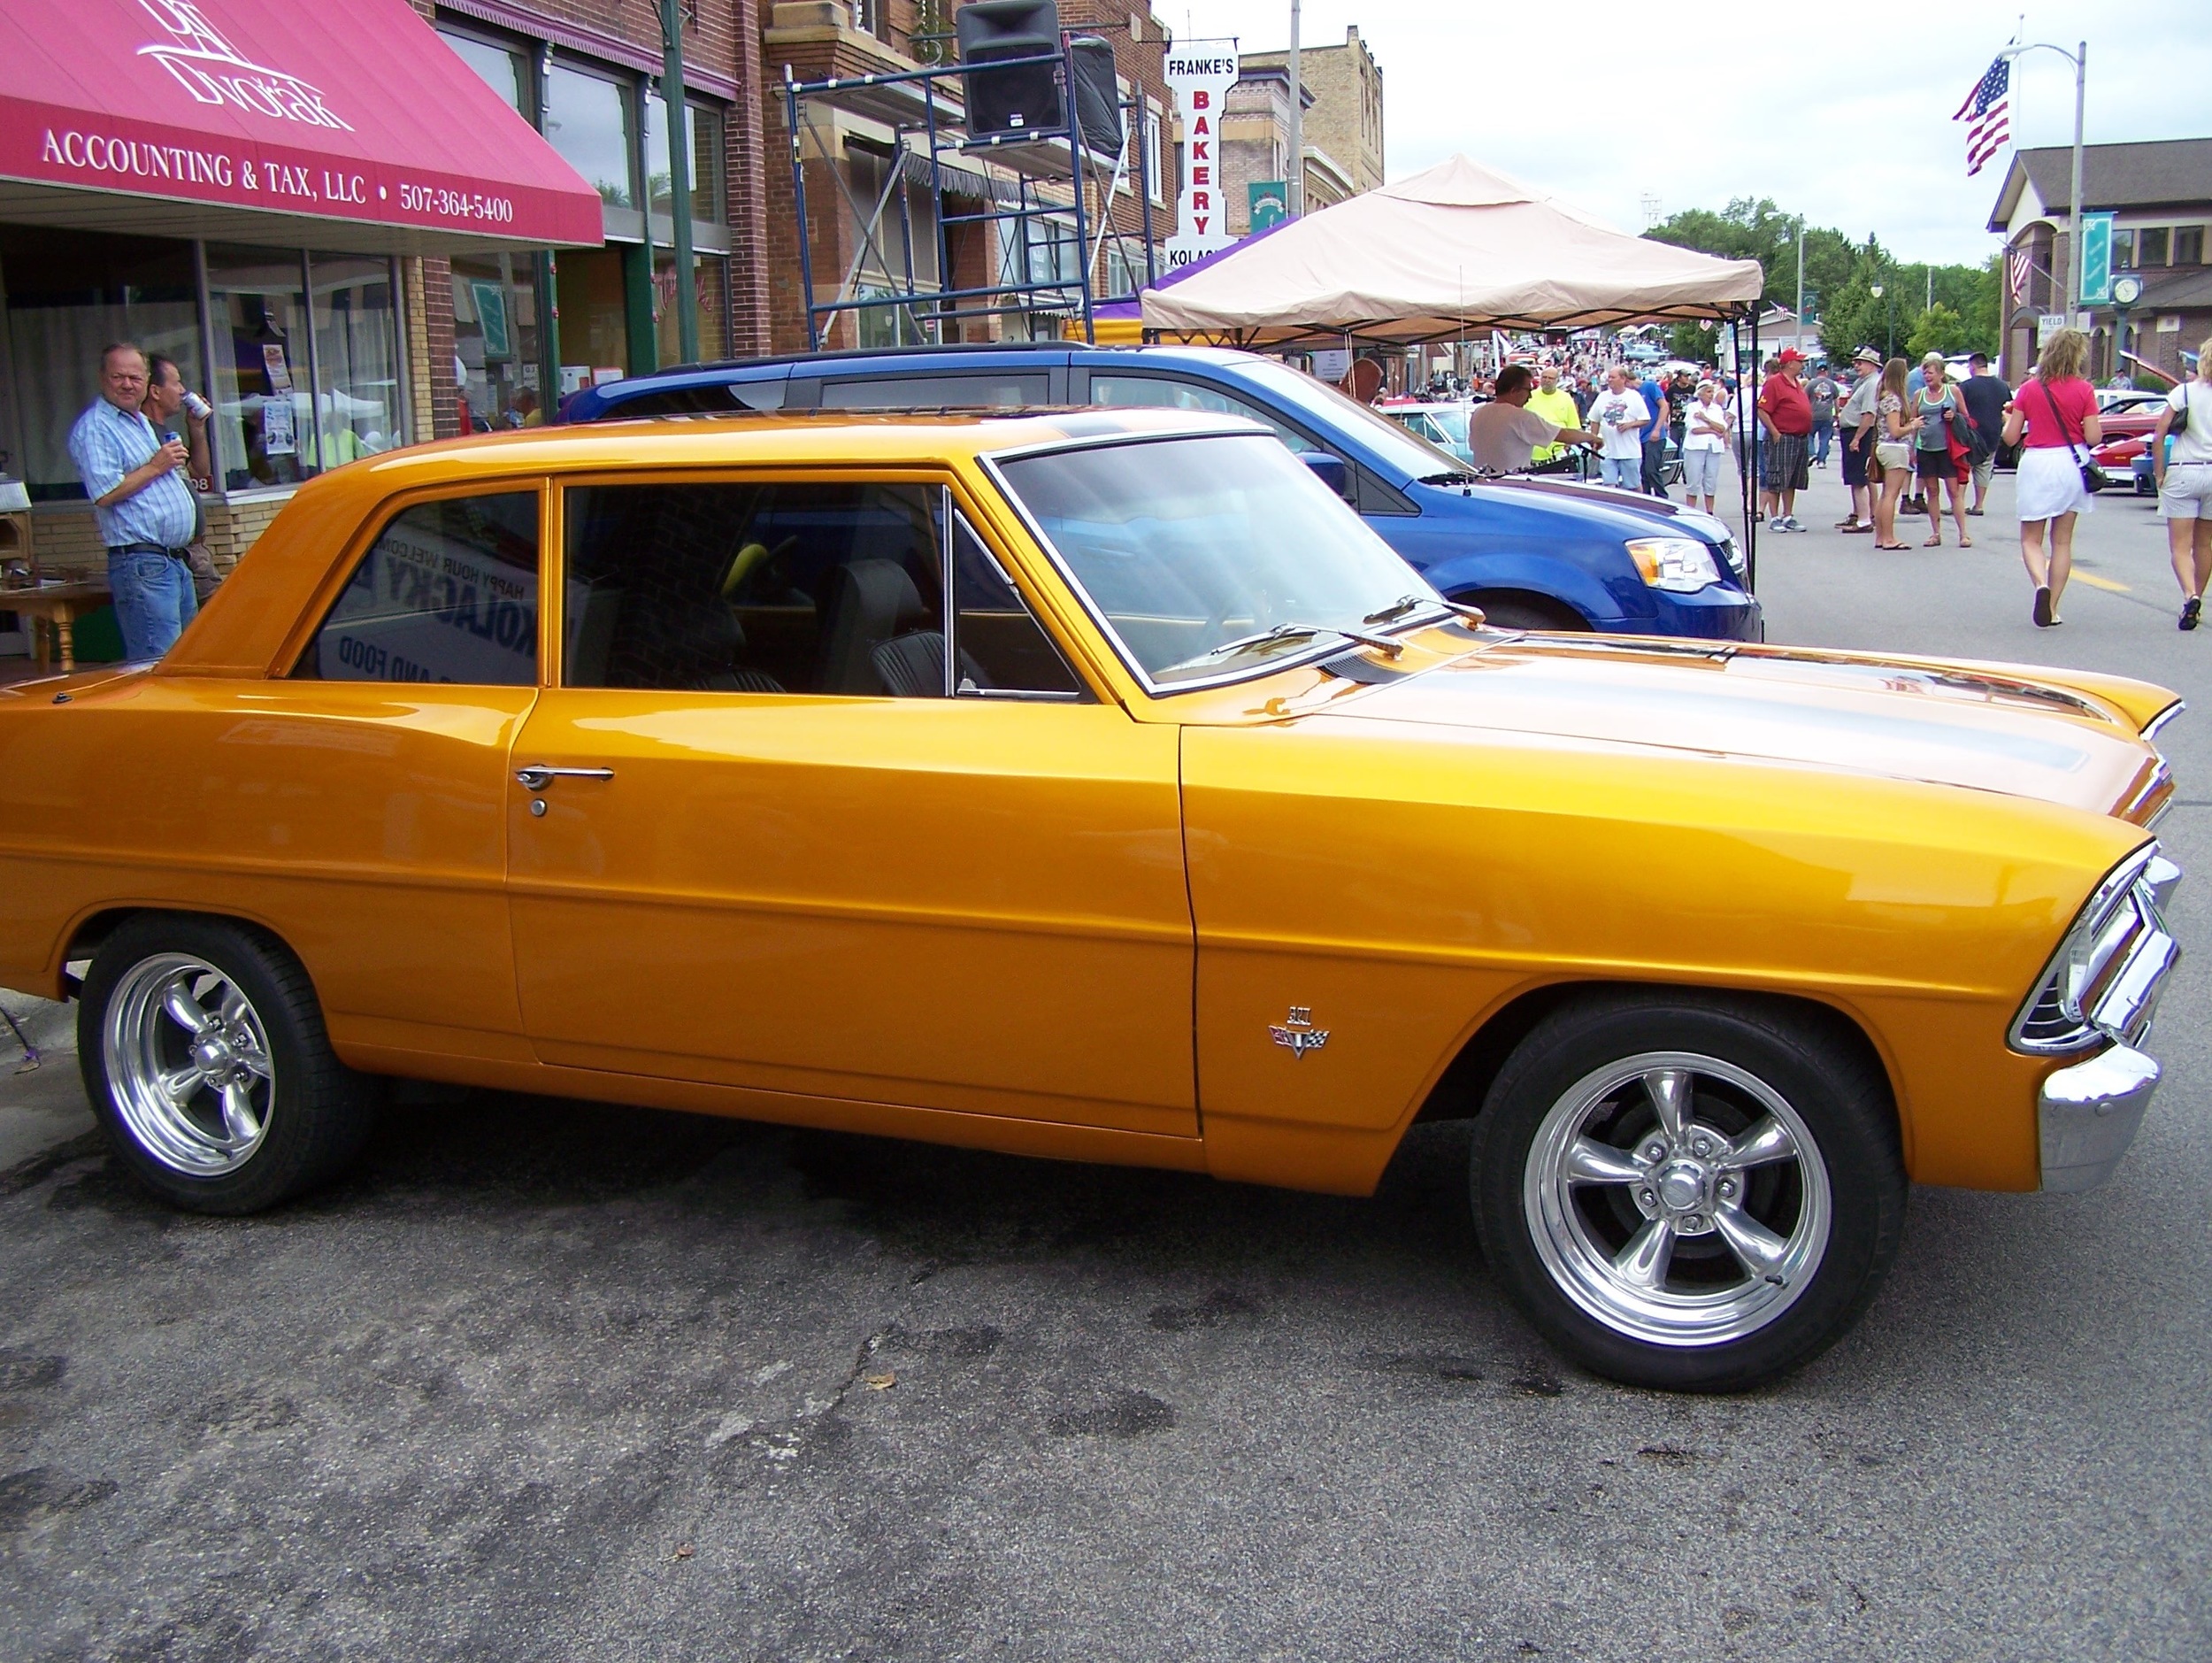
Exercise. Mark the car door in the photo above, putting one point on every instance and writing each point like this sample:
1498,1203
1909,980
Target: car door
784,824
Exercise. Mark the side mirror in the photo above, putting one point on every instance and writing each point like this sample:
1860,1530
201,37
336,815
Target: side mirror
1332,470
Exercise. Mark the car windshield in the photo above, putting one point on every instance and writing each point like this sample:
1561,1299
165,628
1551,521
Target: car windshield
1393,445
1190,549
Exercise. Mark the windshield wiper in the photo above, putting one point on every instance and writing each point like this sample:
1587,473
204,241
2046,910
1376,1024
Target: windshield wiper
1406,604
1292,632
1452,479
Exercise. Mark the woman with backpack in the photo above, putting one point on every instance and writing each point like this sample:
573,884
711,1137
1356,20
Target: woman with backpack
2185,483
2054,417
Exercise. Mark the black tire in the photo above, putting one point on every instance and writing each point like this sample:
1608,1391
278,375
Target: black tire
1508,611
1550,1236
312,1114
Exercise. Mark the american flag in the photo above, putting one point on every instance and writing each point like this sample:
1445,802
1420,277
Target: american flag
1984,108
2022,265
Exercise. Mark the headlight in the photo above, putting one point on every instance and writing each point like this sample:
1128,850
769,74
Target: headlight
1681,564
2103,981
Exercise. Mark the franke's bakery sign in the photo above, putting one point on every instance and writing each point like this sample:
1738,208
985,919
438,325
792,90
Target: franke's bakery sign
232,103
1199,76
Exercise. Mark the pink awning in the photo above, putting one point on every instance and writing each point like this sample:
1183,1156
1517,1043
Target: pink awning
347,126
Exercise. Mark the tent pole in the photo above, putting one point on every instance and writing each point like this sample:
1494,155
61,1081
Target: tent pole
1751,467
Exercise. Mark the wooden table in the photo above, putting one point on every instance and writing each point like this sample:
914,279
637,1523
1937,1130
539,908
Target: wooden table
58,605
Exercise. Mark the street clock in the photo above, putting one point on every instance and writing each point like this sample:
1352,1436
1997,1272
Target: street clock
2126,290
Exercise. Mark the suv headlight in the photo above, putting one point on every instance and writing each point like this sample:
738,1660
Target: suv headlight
2103,980
1681,564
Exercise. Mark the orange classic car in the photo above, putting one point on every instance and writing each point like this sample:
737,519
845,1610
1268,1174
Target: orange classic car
1091,785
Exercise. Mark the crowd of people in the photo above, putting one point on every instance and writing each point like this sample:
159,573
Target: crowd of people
1909,440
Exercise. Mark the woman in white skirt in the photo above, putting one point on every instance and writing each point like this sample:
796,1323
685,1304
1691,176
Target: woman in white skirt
2053,417
2185,483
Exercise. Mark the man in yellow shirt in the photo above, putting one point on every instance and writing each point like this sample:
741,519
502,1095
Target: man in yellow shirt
1555,405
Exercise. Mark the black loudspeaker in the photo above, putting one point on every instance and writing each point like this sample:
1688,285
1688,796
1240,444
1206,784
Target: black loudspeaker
1097,96
1021,99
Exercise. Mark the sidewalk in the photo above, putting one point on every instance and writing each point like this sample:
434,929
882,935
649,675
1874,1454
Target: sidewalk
44,1108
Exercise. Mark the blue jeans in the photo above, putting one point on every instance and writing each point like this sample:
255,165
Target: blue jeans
153,602
1821,431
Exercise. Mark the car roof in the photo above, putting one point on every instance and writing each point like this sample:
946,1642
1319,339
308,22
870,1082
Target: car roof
606,401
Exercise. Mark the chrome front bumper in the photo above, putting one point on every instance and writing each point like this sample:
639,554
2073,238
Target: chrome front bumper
2087,1115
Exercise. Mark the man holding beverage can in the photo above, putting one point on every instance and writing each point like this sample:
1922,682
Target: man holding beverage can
146,513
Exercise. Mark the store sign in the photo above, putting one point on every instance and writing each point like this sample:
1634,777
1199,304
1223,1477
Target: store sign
2096,259
212,71
236,103
1199,74
1270,202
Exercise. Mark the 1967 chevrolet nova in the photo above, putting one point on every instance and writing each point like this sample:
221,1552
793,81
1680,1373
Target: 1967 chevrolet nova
1091,785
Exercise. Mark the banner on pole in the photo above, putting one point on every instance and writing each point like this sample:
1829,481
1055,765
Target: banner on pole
1199,76
2096,259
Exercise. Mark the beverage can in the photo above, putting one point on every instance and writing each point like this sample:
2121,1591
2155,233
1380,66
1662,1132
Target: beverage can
197,407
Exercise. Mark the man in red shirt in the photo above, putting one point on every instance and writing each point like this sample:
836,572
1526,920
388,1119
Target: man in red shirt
1785,415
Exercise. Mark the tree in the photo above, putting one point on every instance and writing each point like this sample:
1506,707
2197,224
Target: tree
1695,342
1938,329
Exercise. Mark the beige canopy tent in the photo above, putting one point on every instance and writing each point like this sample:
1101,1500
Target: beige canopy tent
1452,249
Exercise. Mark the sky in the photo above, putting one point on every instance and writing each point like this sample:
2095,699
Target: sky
1606,102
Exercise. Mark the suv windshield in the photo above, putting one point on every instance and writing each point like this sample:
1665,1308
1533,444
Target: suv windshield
1415,459
1193,549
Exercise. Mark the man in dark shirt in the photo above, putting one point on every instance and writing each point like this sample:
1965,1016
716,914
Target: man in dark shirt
1985,397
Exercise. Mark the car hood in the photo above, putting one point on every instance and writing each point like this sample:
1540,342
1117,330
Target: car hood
1976,727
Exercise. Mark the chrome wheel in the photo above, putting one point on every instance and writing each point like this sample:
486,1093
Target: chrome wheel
1676,1198
188,1064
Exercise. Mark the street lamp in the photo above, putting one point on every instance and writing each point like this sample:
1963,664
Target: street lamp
1889,338
2079,59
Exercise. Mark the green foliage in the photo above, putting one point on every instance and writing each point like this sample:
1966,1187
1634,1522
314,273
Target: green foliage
1843,274
1938,329
1696,342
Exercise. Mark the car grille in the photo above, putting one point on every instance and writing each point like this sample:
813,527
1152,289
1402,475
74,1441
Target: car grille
2105,979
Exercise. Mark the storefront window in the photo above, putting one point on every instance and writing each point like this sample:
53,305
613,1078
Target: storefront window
710,283
704,139
264,428
502,68
495,339
70,292
587,120
595,327
357,363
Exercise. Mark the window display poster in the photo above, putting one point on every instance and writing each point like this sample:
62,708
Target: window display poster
276,419
491,314
279,371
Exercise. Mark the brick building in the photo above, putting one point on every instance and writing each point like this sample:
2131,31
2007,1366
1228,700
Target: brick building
2159,195
1342,130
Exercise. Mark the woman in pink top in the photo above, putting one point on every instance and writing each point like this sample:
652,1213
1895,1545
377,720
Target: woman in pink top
2056,410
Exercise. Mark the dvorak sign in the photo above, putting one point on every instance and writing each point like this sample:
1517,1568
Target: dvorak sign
1199,74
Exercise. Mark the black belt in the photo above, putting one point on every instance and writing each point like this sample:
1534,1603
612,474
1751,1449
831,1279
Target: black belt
148,548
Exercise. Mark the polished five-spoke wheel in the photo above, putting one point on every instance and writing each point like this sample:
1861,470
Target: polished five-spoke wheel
1688,1191
187,1061
205,1058
1677,1198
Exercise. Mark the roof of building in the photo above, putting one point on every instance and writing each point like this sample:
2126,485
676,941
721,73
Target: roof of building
2161,172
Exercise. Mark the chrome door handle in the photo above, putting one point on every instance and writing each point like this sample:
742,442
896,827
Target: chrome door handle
538,775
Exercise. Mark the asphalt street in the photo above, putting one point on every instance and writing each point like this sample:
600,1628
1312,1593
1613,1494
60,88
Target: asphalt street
545,1380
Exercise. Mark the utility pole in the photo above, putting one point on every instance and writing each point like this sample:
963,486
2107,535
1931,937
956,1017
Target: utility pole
2079,58
1801,283
1296,182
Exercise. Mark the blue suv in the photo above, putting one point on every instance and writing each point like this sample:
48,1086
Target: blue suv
1539,553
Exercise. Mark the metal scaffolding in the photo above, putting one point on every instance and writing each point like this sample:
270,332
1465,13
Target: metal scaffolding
952,162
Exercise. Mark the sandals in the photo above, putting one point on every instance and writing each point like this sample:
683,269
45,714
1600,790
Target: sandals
2042,613
1966,543
1932,543
1893,545
1854,530
2190,609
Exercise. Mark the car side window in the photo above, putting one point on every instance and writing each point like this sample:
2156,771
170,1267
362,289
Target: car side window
997,391
755,588
447,592
1002,649
1165,391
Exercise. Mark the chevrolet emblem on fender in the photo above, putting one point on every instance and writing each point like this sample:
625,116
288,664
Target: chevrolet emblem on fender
1299,1035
